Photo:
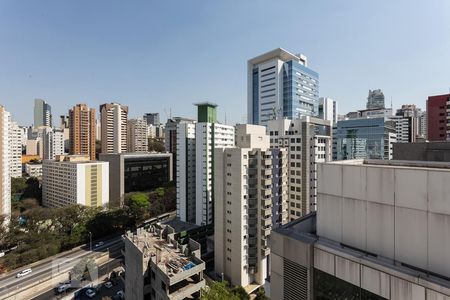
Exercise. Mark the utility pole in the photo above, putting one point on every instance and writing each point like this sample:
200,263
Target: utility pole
90,240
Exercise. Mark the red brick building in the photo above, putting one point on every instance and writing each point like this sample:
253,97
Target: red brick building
438,111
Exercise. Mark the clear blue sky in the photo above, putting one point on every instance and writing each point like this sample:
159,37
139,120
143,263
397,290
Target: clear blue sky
166,55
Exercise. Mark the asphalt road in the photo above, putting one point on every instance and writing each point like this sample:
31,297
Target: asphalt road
102,270
44,271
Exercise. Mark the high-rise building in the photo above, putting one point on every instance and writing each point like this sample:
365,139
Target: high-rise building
404,129
75,179
437,127
245,187
308,141
137,136
170,137
423,125
413,113
53,143
5,170
370,138
280,85
152,118
375,100
328,110
159,267
42,113
380,232
195,164
82,130
113,118
15,144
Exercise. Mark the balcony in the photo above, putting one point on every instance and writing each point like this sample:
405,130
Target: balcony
266,172
266,222
266,192
266,202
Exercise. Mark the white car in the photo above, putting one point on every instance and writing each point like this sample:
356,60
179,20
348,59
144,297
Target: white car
108,284
99,244
90,293
23,273
64,287
2,254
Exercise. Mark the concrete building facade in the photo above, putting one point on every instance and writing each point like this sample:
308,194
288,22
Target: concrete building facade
75,179
328,110
380,232
375,100
245,190
5,169
82,130
159,268
308,141
15,144
33,169
53,143
114,119
195,164
280,84
137,136
152,118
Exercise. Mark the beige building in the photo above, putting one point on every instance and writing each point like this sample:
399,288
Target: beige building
113,118
250,193
5,176
82,131
15,144
137,135
74,179
308,141
159,268
381,231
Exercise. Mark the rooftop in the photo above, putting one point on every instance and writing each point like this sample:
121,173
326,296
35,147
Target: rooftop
395,163
156,244
278,52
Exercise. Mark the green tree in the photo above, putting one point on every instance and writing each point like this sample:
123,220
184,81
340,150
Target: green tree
155,145
18,185
218,291
261,294
240,292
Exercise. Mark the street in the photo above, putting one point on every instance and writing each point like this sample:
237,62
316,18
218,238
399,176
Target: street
44,271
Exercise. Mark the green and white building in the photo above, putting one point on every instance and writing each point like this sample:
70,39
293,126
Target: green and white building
195,164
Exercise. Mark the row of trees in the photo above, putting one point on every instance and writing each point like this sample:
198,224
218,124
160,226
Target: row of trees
35,232
222,291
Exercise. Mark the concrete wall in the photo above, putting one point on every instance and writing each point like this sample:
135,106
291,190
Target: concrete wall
402,213
116,181
434,151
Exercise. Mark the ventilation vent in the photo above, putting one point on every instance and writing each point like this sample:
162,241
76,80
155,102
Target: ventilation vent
295,283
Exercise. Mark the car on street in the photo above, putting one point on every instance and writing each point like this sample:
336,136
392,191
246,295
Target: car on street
62,288
23,273
120,294
90,293
108,284
99,244
2,254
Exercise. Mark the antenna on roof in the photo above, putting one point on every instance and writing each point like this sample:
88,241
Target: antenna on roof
225,118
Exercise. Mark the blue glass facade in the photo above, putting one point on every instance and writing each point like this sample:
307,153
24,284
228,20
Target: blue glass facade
361,139
300,90
255,86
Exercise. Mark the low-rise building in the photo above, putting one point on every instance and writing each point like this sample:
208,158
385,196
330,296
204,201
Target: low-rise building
158,267
34,169
74,179
136,172
380,232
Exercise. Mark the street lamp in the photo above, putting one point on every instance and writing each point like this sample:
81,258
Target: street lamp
90,240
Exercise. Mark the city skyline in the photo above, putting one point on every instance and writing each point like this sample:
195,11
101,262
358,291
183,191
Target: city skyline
135,62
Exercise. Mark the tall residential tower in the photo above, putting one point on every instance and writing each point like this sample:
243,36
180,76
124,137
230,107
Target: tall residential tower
113,127
82,130
42,113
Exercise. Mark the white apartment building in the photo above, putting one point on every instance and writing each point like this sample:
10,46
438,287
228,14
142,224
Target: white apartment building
137,135
113,127
74,179
403,129
156,131
328,109
15,144
33,169
195,162
53,143
5,170
308,141
250,183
